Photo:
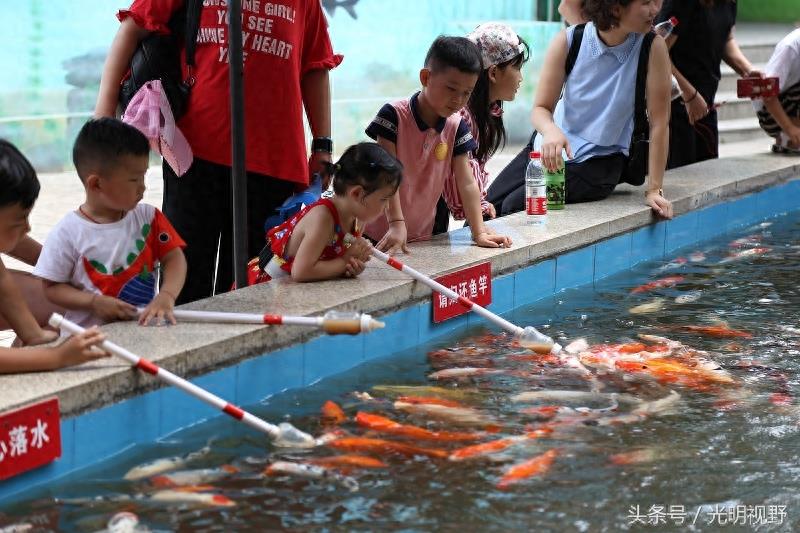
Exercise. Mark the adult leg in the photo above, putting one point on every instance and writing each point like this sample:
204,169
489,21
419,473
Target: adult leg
593,179
194,205
264,195
682,138
441,224
504,192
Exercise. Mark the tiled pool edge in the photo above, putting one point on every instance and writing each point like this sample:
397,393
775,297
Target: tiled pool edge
161,412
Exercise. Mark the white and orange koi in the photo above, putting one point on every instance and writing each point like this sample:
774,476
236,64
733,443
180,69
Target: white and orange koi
311,471
744,254
193,477
494,446
662,283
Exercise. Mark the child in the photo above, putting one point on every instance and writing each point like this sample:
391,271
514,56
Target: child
427,134
503,53
99,261
19,189
312,245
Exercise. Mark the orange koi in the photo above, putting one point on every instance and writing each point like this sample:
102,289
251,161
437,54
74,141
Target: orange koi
363,444
488,448
718,331
537,466
332,414
668,370
386,425
429,400
669,281
348,461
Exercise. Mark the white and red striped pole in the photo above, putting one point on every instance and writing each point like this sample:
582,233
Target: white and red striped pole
332,322
285,434
529,336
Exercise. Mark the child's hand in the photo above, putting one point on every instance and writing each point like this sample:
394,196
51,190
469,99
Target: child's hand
81,348
395,239
160,308
109,308
359,248
355,266
486,238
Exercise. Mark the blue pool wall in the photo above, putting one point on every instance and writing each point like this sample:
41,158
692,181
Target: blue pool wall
96,435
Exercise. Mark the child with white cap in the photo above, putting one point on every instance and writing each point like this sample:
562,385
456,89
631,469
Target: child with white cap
503,53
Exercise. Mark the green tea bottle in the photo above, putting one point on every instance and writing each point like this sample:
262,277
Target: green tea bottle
556,189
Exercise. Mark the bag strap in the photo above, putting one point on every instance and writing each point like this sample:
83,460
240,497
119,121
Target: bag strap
574,48
193,8
641,127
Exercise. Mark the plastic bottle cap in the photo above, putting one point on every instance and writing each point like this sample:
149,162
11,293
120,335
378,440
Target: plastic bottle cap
536,155
673,21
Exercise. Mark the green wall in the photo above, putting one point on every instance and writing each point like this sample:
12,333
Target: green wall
769,10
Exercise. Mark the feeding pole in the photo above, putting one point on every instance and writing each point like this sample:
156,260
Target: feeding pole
238,168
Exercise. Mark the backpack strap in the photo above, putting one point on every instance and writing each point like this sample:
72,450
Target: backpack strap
574,48
641,127
193,8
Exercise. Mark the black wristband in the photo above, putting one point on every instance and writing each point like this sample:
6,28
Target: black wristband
322,144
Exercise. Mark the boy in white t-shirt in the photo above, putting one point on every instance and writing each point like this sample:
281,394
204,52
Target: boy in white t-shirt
779,116
99,261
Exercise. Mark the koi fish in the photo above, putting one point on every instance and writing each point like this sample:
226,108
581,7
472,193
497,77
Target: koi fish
744,254
741,242
429,400
669,281
536,466
689,297
697,257
658,407
573,396
576,346
679,372
165,464
348,461
495,446
675,263
654,305
310,471
19,528
124,522
386,425
364,444
428,390
332,414
722,331
464,372
193,477
465,416
645,455
192,496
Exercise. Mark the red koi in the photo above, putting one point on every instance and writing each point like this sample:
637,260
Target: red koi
348,461
537,466
386,425
669,281
332,414
718,331
363,444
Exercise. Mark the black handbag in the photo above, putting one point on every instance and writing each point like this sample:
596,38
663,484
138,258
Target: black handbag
158,57
639,151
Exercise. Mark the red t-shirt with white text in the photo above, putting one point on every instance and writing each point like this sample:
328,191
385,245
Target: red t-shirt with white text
281,41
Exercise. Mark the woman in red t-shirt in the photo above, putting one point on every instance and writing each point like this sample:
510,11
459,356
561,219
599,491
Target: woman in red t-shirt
287,55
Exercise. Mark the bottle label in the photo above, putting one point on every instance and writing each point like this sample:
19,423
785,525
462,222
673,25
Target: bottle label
536,205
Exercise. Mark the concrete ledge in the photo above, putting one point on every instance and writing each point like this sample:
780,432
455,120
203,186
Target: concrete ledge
193,349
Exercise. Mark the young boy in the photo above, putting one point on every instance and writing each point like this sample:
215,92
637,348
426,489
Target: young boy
427,134
19,189
99,261
779,116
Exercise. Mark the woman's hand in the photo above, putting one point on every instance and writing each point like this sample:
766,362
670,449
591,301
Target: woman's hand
486,238
660,205
553,144
696,107
395,239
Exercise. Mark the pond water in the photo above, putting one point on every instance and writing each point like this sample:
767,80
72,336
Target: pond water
697,436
